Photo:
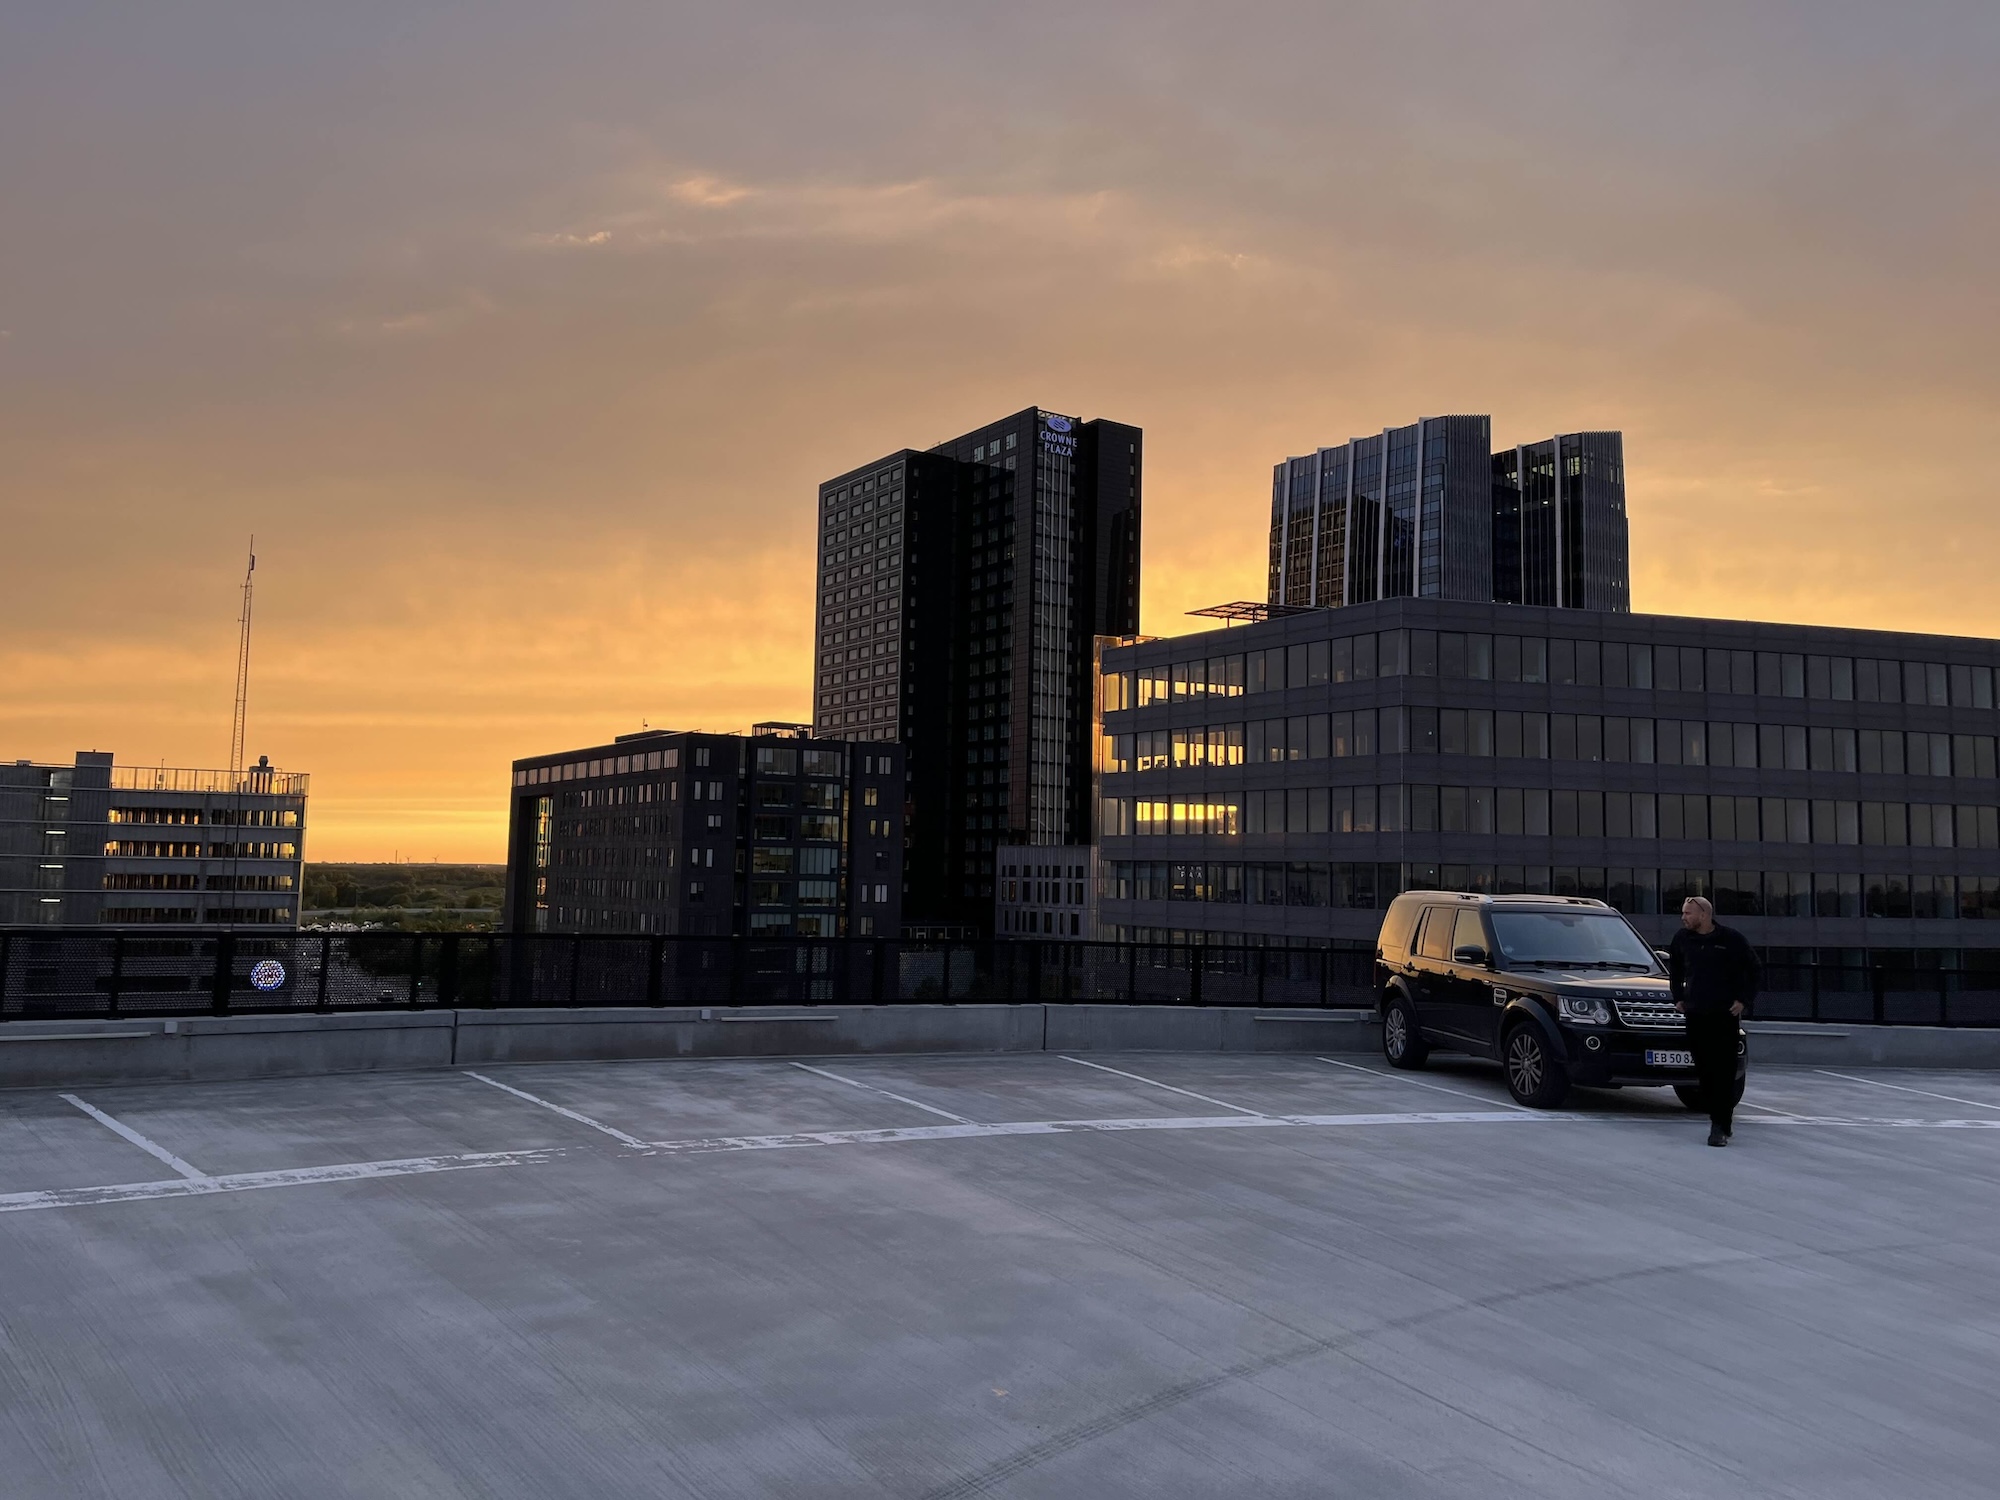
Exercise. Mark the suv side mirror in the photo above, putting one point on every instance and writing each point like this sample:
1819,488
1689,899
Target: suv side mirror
1666,959
1469,953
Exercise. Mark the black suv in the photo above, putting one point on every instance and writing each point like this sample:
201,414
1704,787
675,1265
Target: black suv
1558,989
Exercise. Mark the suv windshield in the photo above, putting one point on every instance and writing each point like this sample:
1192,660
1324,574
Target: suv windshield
1570,938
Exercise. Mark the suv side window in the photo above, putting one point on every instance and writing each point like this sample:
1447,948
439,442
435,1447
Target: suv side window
1436,940
1470,931
1398,928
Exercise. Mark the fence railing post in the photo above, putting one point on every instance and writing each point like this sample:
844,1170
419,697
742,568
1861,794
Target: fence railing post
1131,973
656,958
1880,1011
447,994
225,973
1195,967
117,972
325,963
875,972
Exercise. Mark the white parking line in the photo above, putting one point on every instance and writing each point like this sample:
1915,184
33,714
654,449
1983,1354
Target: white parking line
1422,1084
194,1184
151,1148
243,1182
1770,1109
568,1114
869,1088
1170,1088
1906,1089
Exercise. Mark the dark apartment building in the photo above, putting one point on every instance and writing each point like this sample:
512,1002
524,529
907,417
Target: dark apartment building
1428,511
1834,791
960,592
99,844
775,833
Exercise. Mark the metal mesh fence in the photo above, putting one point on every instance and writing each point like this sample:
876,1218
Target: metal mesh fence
46,973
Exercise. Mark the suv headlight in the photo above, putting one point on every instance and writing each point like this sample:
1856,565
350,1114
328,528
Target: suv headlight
1584,1010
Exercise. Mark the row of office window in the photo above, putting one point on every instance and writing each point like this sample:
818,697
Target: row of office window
1509,735
1536,812
148,916
1371,886
161,849
1479,657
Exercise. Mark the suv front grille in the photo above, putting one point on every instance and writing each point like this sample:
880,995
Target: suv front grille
1650,1013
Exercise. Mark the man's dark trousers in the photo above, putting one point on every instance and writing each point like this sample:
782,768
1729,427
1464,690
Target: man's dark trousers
1712,1037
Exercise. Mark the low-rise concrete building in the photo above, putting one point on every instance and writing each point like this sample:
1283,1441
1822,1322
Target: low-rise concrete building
99,844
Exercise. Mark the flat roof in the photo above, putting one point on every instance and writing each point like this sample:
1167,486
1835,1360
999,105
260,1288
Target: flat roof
1171,1275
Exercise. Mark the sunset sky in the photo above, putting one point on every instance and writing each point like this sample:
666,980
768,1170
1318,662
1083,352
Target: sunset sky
520,334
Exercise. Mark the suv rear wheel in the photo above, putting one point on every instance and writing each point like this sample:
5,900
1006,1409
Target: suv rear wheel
1402,1044
1536,1077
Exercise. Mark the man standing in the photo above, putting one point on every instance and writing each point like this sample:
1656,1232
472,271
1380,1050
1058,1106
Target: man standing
1714,975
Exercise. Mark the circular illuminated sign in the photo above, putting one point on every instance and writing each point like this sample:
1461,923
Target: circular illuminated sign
267,975
1056,423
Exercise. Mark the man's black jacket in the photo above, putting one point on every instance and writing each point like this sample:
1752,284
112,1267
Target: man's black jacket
1712,971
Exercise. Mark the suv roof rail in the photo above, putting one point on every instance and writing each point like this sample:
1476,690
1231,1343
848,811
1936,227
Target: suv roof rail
1524,897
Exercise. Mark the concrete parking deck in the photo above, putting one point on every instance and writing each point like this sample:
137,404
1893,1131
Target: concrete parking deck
1026,1275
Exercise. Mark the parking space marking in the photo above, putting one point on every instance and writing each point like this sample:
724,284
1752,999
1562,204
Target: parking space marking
1769,1108
1422,1084
152,1148
1906,1089
1170,1088
193,1183
568,1114
855,1083
243,1182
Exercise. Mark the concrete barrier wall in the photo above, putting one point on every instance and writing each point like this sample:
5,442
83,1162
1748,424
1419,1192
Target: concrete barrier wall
40,1054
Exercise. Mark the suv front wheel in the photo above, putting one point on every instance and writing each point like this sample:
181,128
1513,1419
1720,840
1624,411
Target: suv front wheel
1536,1077
1402,1044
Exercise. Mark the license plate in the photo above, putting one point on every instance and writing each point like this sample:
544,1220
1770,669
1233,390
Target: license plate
1659,1059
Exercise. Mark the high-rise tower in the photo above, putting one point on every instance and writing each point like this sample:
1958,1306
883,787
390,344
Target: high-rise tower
960,589
1429,511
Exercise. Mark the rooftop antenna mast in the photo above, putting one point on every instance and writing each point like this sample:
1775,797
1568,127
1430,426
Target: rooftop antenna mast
242,670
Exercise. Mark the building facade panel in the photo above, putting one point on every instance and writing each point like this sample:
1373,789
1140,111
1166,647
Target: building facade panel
1831,789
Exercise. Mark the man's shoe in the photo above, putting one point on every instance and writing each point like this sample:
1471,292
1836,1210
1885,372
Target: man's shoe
1717,1138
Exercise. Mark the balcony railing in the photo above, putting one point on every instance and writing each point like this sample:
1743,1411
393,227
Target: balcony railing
256,781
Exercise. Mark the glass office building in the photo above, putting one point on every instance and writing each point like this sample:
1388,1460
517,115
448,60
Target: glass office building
1559,531
1833,791
1428,511
94,843
960,593
774,834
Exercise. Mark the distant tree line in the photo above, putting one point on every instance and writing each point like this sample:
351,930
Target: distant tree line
414,897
